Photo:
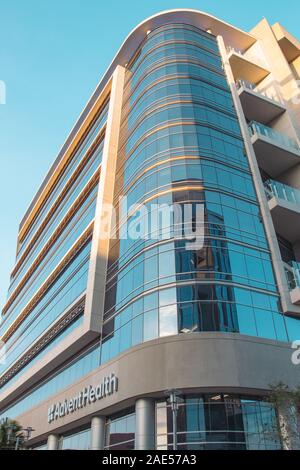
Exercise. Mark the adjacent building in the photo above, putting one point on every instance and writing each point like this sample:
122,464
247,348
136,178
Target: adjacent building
99,329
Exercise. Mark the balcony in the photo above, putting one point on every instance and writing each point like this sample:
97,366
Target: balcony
289,45
284,204
257,104
247,68
275,152
292,271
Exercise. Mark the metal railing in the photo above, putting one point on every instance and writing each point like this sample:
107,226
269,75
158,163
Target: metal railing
247,56
282,139
292,273
269,93
282,191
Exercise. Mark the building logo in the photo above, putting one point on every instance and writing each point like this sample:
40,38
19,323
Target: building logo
87,396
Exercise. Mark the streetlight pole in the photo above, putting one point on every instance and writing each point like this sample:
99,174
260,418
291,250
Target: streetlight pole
11,428
28,431
174,400
17,443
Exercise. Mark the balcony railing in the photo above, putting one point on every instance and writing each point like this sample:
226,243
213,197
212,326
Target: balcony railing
293,274
281,139
282,191
250,57
252,87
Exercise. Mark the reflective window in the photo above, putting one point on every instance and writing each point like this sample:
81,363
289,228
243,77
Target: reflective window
181,143
70,284
219,422
68,375
120,432
77,441
68,171
71,327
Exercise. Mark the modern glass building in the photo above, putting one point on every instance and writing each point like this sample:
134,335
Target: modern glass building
110,305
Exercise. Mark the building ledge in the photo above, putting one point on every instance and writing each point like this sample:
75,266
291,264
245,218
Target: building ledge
295,296
289,45
258,107
274,157
286,218
246,69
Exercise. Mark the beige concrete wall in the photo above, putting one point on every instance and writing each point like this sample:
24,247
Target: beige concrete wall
256,53
281,74
280,84
295,66
281,33
191,363
291,177
102,226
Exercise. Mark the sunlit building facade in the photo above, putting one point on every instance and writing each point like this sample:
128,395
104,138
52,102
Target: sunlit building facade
192,112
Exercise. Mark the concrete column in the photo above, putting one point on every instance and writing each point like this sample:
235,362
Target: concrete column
104,222
52,443
98,433
145,424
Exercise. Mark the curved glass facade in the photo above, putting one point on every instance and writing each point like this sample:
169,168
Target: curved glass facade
204,422
181,143
219,422
191,253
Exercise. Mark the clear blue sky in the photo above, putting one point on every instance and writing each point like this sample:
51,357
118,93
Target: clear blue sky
52,55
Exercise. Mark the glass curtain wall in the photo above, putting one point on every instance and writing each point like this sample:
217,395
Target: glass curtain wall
181,143
219,422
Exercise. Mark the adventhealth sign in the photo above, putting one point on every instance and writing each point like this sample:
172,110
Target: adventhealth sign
88,395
